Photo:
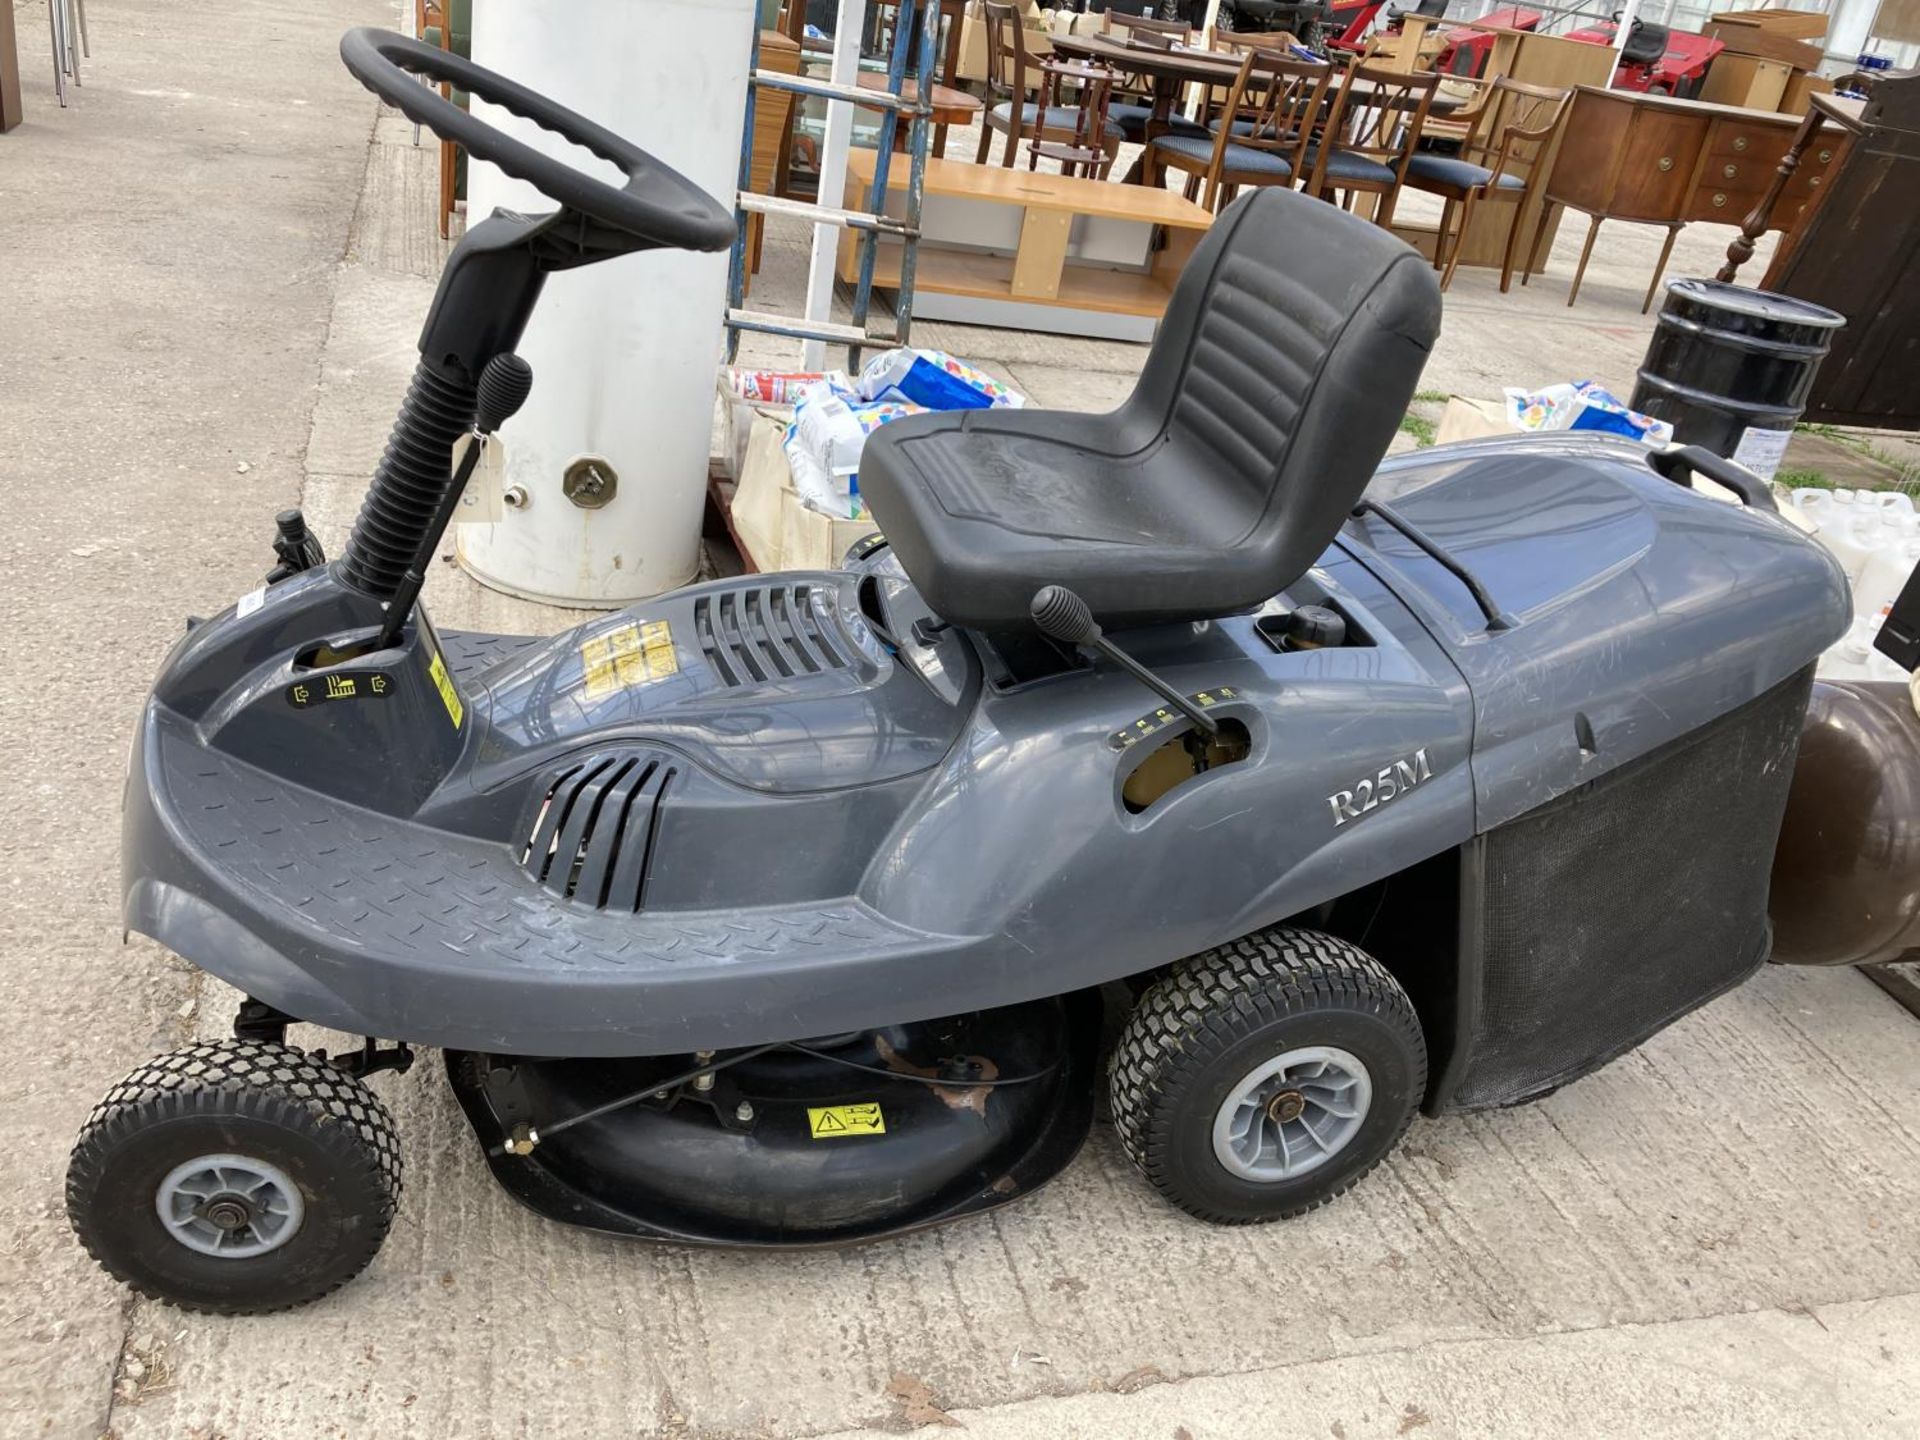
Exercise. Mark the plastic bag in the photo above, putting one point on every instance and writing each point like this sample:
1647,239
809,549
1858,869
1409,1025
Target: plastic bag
833,417
779,387
1582,405
932,380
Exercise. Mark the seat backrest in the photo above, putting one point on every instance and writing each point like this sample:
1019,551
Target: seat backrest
1006,52
1145,25
1277,99
1515,127
1290,351
1379,113
1646,43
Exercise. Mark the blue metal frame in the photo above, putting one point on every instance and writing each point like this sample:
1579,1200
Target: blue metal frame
930,15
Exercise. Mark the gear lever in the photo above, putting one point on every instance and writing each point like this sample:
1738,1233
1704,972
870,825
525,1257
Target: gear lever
504,386
1062,615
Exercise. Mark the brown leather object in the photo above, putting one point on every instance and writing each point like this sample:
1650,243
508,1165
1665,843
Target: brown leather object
1846,875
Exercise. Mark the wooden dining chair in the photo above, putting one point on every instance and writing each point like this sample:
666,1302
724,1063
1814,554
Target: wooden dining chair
1213,100
1499,160
1262,135
1133,107
1012,74
946,47
430,23
1371,132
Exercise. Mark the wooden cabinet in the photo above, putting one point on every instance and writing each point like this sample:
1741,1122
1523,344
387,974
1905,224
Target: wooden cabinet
1746,80
1857,251
1660,161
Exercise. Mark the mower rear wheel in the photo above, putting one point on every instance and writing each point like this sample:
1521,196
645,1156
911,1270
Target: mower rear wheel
1260,1079
236,1177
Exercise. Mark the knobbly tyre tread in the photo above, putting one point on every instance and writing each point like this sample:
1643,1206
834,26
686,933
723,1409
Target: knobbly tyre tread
1208,1001
267,1080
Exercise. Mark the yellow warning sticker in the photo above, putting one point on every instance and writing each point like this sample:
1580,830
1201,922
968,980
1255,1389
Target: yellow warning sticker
830,1122
443,682
627,656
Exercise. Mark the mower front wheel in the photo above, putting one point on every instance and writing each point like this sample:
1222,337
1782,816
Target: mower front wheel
1260,1079
237,1177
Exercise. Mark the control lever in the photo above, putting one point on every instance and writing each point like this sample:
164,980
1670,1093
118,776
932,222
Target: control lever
294,546
504,386
1062,615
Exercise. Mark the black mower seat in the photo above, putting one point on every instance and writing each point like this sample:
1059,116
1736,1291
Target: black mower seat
1646,43
1289,352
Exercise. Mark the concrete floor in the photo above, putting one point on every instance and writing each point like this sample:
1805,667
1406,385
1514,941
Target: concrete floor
211,272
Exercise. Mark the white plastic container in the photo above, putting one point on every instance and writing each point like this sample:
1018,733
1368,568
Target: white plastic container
1887,569
1850,657
1815,502
1852,533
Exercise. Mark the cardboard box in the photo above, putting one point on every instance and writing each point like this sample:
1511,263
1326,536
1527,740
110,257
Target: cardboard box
1800,89
1794,24
973,41
1747,81
1465,419
774,528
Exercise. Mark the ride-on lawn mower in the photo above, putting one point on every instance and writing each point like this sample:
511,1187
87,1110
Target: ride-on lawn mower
789,909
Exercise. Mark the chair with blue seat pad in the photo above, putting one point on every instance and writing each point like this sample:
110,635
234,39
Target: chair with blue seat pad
1012,75
1275,99
1132,107
1371,133
1499,158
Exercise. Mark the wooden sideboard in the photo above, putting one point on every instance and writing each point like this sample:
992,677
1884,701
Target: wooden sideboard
1656,160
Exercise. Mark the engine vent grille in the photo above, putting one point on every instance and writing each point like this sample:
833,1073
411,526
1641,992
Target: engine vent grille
751,637
591,839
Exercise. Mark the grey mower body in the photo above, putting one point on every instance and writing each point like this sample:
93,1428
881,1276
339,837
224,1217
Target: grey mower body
892,835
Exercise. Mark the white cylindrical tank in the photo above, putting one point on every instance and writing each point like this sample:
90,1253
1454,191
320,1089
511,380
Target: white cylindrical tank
623,352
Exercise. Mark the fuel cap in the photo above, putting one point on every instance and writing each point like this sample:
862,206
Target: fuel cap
1314,627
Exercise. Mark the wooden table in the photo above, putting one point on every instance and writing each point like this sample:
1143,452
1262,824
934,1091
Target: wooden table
1033,251
950,106
1171,70
1660,161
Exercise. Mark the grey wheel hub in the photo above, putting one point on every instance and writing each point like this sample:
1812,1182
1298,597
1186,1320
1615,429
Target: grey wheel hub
230,1206
1292,1114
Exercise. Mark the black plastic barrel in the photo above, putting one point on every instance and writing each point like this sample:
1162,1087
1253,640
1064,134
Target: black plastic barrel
1725,359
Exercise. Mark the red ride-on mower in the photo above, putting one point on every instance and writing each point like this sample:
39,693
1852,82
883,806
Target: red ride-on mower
1465,50
1672,62
1354,21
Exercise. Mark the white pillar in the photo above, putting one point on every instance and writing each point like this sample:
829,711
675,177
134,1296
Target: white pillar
833,173
623,352
1629,12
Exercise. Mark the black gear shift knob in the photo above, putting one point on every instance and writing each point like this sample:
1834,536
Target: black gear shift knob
504,386
1062,615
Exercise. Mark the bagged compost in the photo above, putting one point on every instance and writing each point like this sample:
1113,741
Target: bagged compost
1582,405
833,416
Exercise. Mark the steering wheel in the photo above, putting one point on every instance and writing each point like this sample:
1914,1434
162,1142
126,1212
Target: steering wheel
658,206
